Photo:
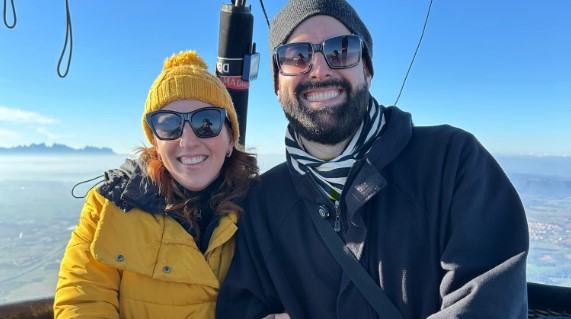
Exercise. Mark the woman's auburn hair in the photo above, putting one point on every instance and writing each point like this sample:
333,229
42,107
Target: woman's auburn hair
237,172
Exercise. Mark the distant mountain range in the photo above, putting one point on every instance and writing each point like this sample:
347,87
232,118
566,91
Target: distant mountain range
536,165
59,149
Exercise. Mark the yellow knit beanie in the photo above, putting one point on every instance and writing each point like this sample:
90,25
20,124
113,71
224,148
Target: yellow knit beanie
185,76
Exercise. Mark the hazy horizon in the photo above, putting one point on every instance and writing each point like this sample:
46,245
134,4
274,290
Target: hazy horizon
38,213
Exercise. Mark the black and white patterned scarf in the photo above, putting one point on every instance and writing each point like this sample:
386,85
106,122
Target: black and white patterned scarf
331,175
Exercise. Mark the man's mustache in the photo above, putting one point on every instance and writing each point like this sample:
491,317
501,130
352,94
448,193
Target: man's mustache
310,85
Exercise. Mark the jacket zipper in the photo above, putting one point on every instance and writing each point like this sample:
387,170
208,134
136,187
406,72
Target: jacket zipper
337,226
336,207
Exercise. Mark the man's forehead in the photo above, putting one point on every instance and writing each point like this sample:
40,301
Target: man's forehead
317,28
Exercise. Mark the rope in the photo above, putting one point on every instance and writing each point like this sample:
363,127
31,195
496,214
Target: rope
68,36
265,14
6,16
415,52
87,181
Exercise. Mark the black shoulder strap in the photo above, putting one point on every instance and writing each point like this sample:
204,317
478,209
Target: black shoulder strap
370,290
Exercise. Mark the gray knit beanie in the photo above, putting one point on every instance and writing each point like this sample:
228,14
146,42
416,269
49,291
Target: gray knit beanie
296,11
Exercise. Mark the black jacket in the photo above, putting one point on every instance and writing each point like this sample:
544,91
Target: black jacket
429,214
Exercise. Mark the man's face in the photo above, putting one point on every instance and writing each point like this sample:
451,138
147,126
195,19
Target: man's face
324,105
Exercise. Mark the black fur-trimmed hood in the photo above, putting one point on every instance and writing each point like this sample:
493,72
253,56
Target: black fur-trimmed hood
129,187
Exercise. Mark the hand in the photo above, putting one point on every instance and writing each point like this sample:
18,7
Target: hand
277,316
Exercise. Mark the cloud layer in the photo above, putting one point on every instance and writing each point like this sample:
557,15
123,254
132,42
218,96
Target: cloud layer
13,115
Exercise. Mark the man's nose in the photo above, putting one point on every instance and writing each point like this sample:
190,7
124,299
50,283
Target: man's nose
320,69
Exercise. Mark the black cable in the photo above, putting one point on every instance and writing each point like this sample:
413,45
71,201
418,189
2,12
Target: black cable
68,35
265,14
87,181
415,52
13,13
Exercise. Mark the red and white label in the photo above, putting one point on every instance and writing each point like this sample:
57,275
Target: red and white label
235,82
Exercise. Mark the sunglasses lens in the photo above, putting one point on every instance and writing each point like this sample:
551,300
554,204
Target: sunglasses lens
207,122
294,58
342,52
167,126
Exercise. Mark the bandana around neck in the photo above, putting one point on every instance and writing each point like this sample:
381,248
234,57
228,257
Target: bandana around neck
331,175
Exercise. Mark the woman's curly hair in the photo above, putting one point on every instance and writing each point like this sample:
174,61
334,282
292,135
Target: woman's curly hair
237,172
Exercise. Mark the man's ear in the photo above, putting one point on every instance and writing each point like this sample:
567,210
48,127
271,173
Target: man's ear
277,87
368,76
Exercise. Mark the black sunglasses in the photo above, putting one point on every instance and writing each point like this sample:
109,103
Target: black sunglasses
205,122
340,52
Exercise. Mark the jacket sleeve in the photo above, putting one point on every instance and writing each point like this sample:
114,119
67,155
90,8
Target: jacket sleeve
86,287
248,290
485,239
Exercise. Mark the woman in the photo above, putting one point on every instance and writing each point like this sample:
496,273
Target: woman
155,240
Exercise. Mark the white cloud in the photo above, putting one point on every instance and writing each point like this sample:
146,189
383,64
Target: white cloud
45,132
15,115
9,138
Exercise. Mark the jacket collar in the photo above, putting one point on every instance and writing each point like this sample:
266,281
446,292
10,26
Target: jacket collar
365,179
129,187
394,138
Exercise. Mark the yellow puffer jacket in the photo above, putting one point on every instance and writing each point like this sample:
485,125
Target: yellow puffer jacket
140,265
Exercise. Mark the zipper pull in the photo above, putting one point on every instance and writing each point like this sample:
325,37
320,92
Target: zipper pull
337,226
199,215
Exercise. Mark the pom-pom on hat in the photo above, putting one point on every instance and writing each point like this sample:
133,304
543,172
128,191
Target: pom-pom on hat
294,12
185,76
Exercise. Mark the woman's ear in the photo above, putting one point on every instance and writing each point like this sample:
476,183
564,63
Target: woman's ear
230,146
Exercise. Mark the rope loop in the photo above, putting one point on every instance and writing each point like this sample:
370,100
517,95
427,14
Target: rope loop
6,15
87,181
68,37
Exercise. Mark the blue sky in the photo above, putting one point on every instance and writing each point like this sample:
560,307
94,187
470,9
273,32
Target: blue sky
499,69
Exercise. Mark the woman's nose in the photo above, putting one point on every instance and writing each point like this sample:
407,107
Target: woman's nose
188,138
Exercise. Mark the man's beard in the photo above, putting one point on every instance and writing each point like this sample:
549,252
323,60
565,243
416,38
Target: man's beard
329,125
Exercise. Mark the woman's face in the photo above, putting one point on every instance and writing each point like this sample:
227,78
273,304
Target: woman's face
192,161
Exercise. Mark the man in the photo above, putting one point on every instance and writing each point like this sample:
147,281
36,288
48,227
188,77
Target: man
426,211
